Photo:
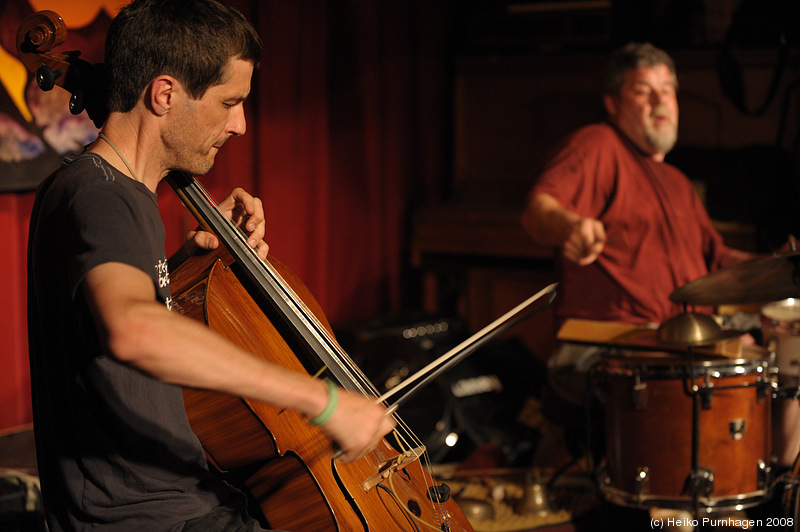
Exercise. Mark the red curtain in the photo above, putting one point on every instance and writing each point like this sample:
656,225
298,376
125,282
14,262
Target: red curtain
14,374
346,136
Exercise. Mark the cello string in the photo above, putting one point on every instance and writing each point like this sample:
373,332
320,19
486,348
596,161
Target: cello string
336,353
425,471
298,308
404,435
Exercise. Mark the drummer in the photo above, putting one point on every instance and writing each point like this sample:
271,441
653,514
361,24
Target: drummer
629,227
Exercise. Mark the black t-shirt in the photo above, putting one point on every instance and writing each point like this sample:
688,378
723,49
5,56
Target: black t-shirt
115,448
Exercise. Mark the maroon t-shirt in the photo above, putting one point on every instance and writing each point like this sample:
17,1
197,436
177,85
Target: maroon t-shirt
659,234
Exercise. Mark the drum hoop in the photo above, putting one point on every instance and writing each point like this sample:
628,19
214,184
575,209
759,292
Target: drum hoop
674,370
709,504
785,313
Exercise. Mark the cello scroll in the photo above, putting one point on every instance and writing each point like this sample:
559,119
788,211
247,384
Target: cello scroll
36,38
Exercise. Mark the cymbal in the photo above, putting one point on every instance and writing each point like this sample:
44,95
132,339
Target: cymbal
709,341
754,281
692,329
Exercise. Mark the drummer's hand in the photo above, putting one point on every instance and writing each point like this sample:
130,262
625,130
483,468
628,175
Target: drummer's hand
246,212
357,425
585,242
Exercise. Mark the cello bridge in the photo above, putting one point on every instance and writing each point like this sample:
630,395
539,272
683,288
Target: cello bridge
393,465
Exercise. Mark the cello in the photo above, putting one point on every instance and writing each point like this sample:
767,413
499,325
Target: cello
288,466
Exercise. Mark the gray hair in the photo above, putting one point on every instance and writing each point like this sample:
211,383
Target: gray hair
630,56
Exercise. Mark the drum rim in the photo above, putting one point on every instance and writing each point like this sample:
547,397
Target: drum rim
708,504
791,304
717,368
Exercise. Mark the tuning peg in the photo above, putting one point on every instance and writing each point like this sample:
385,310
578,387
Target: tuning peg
76,106
46,78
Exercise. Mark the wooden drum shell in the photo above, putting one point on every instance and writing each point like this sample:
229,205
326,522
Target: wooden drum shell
649,430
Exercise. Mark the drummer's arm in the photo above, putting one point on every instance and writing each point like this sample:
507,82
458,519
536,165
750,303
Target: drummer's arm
581,239
737,256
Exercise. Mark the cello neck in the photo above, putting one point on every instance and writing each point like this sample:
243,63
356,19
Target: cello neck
267,282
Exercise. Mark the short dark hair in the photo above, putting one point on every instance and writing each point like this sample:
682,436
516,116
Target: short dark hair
191,40
630,56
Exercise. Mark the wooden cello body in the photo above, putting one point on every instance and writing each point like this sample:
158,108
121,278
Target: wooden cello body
285,464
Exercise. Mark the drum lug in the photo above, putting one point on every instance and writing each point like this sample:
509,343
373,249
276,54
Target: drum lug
642,482
702,483
707,392
707,481
705,396
772,348
736,428
639,393
764,475
768,387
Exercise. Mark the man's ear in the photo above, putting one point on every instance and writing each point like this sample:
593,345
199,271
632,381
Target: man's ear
162,94
611,104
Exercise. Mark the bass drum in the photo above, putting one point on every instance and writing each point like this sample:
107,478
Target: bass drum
650,434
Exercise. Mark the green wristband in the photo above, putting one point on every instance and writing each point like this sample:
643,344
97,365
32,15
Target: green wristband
330,408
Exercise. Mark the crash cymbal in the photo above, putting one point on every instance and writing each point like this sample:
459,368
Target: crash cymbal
755,281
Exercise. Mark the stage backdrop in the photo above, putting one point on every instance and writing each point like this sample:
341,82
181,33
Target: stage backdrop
345,137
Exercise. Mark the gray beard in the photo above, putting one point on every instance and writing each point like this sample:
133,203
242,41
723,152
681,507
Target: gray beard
661,142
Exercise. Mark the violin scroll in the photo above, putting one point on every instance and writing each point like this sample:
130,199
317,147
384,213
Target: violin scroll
38,34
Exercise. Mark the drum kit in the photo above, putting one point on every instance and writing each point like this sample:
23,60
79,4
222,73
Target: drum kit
690,407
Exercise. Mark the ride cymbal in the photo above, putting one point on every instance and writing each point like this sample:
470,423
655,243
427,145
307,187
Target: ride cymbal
755,281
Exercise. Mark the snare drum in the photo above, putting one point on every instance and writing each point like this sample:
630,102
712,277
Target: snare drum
781,330
650,404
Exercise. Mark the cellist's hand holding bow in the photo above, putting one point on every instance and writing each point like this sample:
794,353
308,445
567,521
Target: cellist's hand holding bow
357,425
